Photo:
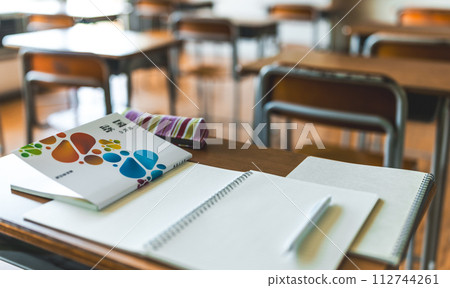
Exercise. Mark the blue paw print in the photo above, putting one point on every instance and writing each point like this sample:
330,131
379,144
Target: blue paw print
137,165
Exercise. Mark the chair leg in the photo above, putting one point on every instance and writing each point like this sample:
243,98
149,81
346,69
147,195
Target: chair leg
108,104
30,110
205,96
171,86
362,141
129,86
289,135
377,143
200,96
261,43
236,100
73,98
346,138
410,255
316,36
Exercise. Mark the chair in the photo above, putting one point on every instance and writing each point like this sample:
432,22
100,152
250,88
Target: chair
199,30
156,12
44,22
370,103
424,17
297,12
60,69
394,45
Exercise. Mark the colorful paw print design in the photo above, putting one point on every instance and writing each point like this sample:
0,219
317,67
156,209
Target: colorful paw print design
70,150
142,165
34,149
137,166
110,145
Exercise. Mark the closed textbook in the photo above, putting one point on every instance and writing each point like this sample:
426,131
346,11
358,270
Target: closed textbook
95,164
201,217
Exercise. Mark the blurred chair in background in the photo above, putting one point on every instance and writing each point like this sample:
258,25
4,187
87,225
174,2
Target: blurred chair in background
424,17
151,14
200,30
394,45
370,103
297,12
44,22
43,68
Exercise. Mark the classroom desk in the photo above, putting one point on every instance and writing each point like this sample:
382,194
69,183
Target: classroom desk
124,51
425,77
13,206
359,33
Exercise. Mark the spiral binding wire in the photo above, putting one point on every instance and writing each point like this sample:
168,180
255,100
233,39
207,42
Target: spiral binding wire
176,228
418,202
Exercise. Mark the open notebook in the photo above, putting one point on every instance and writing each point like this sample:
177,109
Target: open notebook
201,217
402,193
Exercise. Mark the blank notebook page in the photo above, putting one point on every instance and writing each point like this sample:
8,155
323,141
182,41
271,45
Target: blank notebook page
249,227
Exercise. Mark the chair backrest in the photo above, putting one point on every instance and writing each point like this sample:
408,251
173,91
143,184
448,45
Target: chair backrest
44,22
153,7
68,66
61,68
397,45
337,98
198,29
424,17
293,12
204,29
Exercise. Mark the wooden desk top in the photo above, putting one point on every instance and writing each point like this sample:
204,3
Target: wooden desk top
13,207
365,30
429,77
104,40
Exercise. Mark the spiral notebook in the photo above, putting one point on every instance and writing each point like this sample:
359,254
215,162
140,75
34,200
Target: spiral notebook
201,217
395,217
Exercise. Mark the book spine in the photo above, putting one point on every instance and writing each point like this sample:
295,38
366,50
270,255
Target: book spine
160,240
417,207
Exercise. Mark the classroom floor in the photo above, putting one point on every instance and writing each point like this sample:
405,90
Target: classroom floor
150,95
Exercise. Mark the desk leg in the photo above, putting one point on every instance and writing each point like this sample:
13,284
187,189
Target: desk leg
440,193
439,169
129,74
260,41
355,45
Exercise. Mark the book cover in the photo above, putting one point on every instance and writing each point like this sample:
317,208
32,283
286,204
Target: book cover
101,161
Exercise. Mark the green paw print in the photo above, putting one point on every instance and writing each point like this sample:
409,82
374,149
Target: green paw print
110,145
31,150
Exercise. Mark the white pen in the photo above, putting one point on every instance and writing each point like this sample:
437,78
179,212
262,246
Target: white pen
313,217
